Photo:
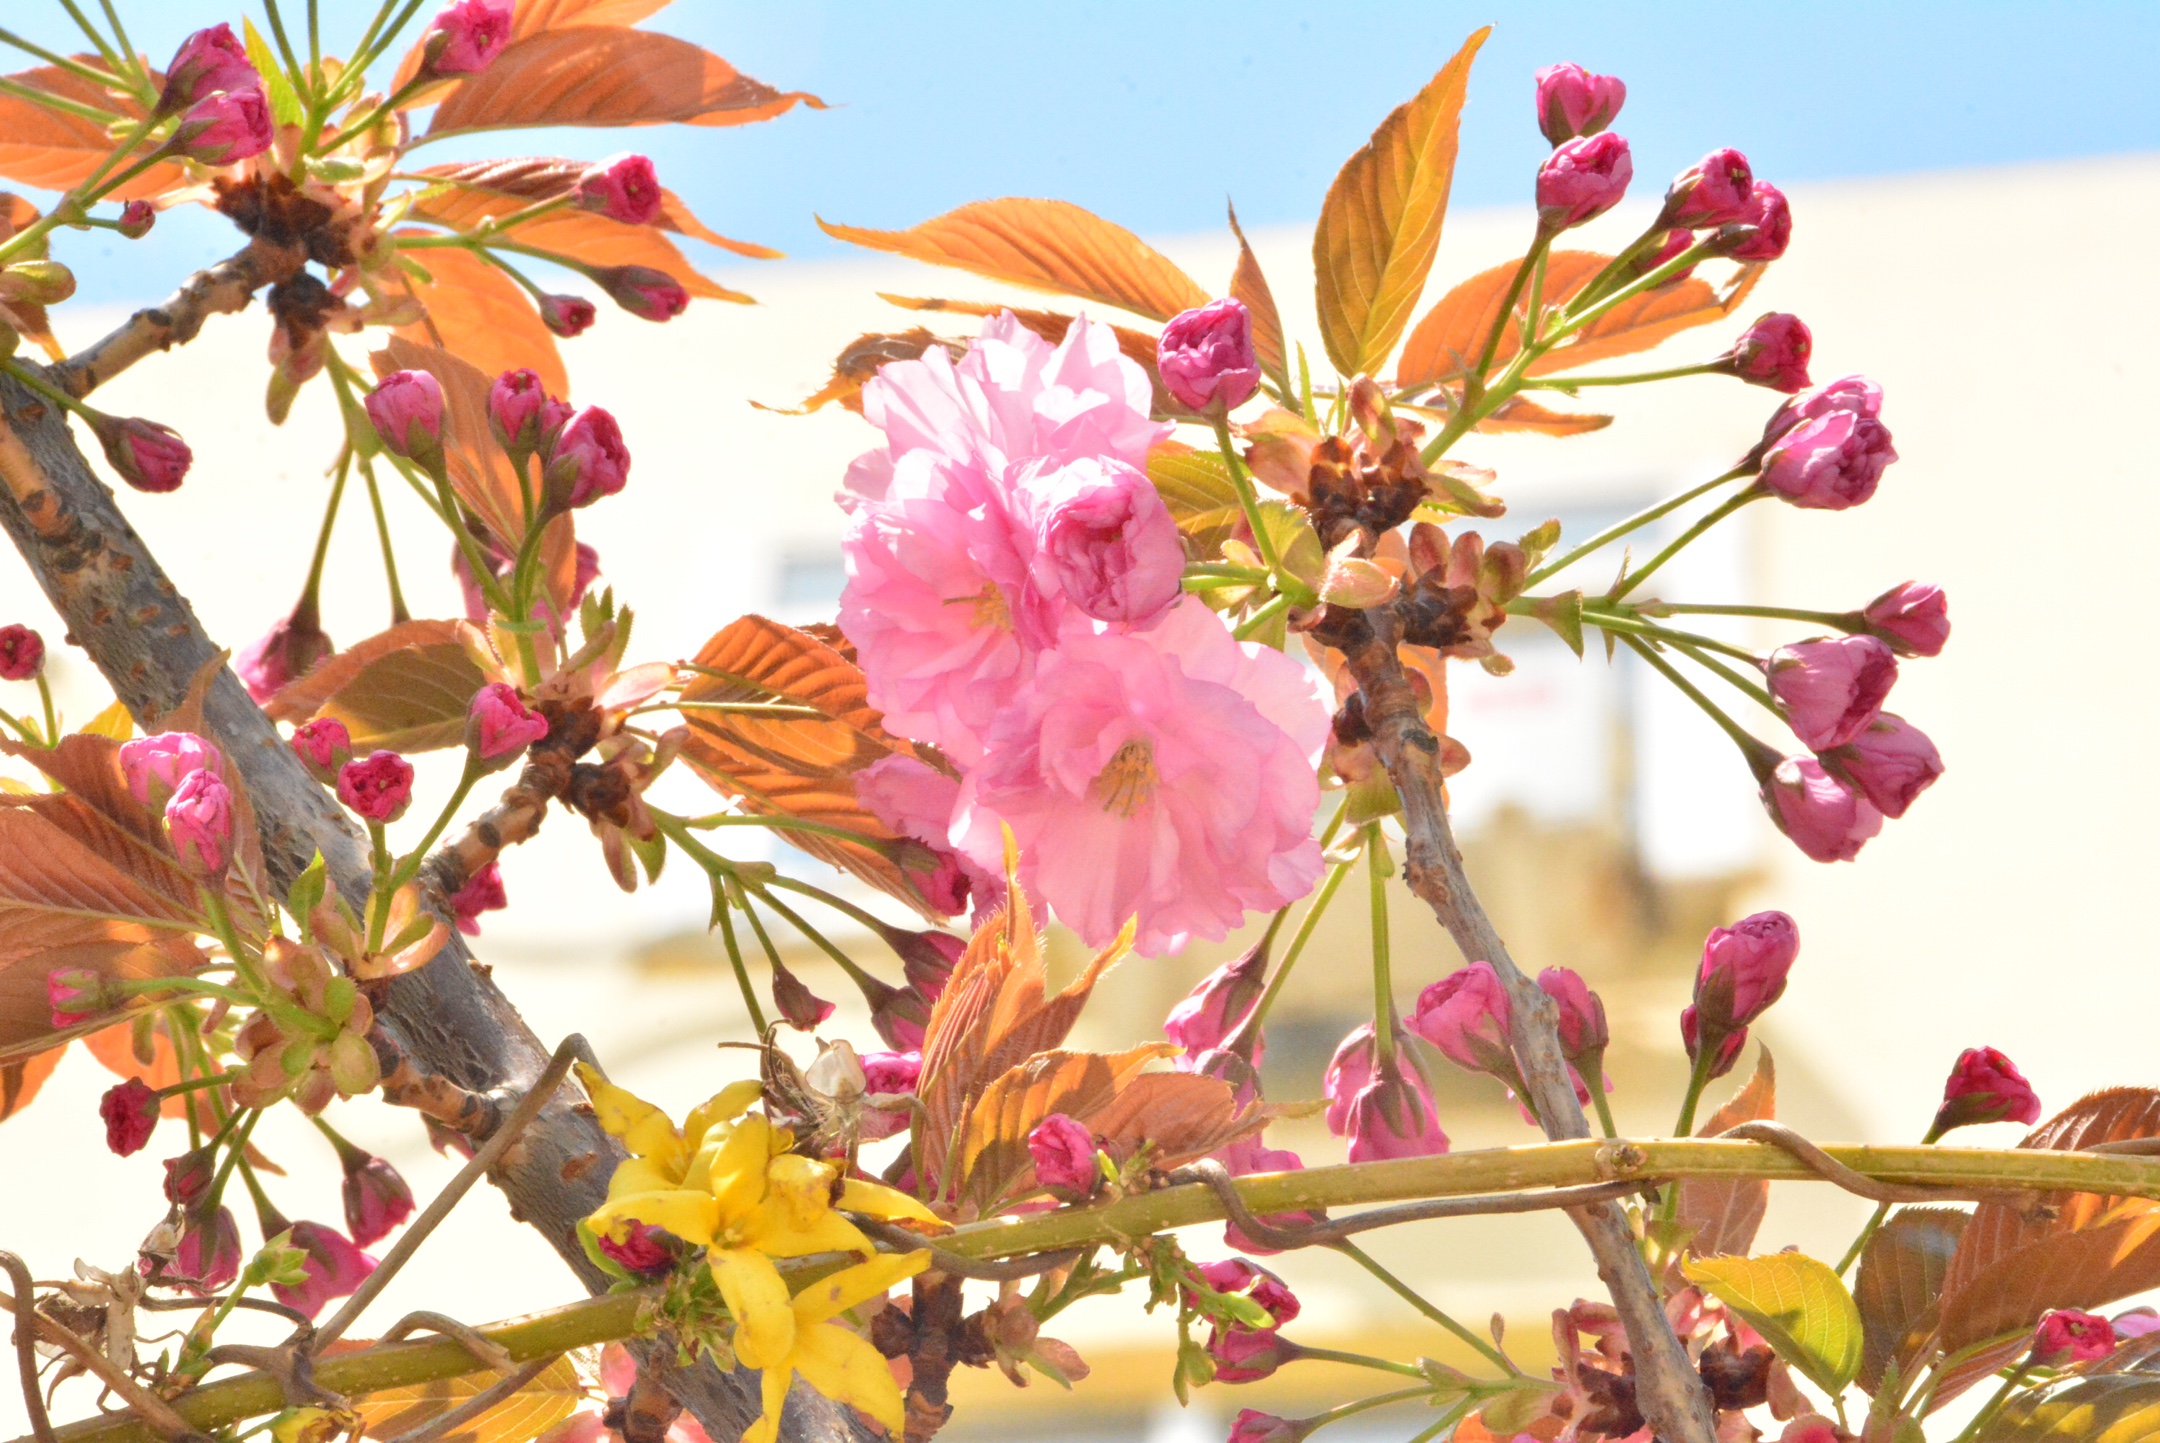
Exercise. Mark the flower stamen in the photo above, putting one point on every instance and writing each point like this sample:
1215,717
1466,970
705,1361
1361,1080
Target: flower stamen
1128,783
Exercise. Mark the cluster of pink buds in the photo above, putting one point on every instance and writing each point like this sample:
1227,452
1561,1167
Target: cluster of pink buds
1246,1343
311,1042
183,775
219,97
581,453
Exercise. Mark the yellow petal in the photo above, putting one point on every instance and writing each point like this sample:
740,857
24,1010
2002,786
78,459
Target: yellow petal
691,1216
769,1231
757,1298
873,1200
644,1129
829,1297
848,1370
801,1186
738,1168
773,1389
641,1174
726,1105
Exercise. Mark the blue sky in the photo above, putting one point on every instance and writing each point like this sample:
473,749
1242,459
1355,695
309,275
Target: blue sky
1152,111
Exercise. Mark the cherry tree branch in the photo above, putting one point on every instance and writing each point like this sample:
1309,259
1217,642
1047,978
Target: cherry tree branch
221,289
1670,1392
448,1017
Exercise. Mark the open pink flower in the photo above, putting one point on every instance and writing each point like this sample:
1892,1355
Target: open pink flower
1165,776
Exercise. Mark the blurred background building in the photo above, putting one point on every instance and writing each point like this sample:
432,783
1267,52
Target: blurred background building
1607,823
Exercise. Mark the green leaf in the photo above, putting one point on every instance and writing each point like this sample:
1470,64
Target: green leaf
284,101
307,890
1563,613
1196,486
2108,1408
1797,1304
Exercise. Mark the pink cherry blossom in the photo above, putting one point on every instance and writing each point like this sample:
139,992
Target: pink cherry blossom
1064,1153
1165,776
1103,539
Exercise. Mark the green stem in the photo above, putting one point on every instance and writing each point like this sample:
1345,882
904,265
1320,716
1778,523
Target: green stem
293,67
313,587
854,970
113,58
1357,1360
45,388
409,866
1635,378
378,907
1698,1079
399,613
1474,383
54,102
1875,1222
1362,1405
1709,519
726,923
777,824
1376,862
235,1129
1604,1107
52,714
1248,501
1994,1405
1842,620
66,62
1649,281
1754,689
1619,529
1411,1296
1321,898
132,62
1758,753
391,102
1275,606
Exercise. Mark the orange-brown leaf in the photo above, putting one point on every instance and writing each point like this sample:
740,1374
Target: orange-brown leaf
1447,341
534,16
1899,1286
608,75
480,474
407,689
44,148
1380,224
992,1163
1248,284
1044,245
794,766
1136,346
2017,1261
1724,1213
854,366
1643,321
484,318
474,190
21,1078
1175,1117
1520,413
992,1016
594,240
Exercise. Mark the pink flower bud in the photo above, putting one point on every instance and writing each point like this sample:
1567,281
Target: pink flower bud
1064,1153
1104,540
1582,179
149,457
76,994
482,892
22,652
376,1198
1829,689
188,1176
130,1110
1254,1426
1243,1356
1891,762
648,294
1763,229
1584,1034
206,62
136,218
283,654
2068,1336
155,766
1913,617
1830,463
205,1257
1854,395
225,128
1206,359
891,1073
1728,1046
406,409
899,1015
1773,352
1714,191
1348,1071
518,411
1466,1015
499,725
927,957
1827,820
334,1267
1986,1086
643,1250
1394,1115
1571,101
1744,968
567,316
1212,1010
199,819
465,38
324,745
1669,248
590,461
622,187
797,1005
378,787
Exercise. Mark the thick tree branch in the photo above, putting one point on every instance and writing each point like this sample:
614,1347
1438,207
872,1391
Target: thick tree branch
223,288
449,1018
1670,1391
